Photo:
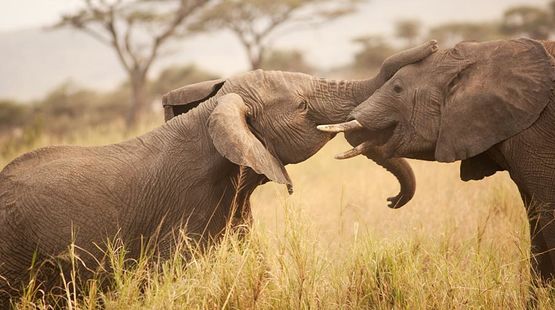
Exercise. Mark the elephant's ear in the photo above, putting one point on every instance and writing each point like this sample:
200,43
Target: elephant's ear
231,135
494,90
183,99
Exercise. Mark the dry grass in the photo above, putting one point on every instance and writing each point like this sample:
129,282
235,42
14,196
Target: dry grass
334,244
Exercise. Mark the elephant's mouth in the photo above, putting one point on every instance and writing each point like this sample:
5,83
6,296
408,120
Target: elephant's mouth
363,139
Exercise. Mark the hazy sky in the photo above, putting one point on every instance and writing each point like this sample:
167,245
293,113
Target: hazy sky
327,46
16,14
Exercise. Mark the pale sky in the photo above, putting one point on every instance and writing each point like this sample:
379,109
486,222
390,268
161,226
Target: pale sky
327,46
324,45
17,14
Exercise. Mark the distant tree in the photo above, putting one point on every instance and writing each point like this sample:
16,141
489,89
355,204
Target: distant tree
408,30
177,76
69,108
374,50
12,114
61,102
286,60
255,22
534,22
551,9
451,33
136,30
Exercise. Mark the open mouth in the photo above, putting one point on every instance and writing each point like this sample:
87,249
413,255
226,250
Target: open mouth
365,139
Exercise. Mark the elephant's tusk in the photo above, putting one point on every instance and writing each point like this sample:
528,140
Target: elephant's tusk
359,149
341,127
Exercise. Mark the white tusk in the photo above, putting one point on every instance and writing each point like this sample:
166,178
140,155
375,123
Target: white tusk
341,127
359,149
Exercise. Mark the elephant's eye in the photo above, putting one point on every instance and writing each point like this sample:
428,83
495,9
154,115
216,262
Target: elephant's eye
303,105
398,89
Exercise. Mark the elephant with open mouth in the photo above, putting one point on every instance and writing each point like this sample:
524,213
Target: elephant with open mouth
489,105
221,140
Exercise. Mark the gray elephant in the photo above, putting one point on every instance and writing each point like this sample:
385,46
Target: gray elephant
490,105
195,172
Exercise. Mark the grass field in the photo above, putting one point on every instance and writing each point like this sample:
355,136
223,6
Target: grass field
334,244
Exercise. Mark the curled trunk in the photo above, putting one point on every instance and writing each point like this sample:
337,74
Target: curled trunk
401,169
363,89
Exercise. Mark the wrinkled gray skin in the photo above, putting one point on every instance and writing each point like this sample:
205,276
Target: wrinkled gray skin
197,171
487,104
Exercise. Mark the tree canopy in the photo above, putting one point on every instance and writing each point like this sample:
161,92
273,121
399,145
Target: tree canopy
255,22
136,30
408,30
534,22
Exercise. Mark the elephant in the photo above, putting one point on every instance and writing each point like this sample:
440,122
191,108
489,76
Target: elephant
489,105
196,172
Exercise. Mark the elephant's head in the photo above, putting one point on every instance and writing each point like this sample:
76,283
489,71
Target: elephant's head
455,104
267,119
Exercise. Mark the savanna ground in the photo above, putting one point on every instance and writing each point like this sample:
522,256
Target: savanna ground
334,244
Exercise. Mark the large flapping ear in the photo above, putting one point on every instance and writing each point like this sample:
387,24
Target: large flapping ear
183,99
499,89
230,133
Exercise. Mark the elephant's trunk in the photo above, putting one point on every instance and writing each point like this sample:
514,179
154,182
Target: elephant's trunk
361,91
399,167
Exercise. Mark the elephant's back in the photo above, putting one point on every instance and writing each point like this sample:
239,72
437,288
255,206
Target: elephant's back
48,193
58,165
58,187
37,158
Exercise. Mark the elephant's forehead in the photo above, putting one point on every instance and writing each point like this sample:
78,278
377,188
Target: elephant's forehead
430,64
447,57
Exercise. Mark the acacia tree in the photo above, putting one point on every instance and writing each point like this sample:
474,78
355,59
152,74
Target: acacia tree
450,34
136,30
374,50
535,22
255,22
287,60
408,30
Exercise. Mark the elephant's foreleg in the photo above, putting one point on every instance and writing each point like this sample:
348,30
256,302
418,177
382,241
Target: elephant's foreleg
540,258
542,239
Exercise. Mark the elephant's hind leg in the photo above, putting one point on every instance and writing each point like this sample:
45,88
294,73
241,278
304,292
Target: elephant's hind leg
17,254
12,280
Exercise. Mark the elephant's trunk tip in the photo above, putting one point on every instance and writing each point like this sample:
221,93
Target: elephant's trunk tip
434,45
396,202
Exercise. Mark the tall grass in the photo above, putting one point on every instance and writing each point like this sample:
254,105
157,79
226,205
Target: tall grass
334,244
